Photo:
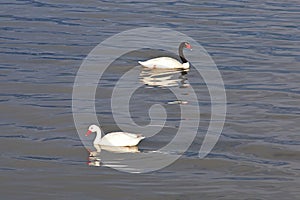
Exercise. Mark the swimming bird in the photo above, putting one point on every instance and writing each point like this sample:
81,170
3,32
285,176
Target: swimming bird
168,62
120,139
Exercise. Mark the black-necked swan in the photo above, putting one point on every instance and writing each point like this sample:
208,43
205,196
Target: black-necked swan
167,62
120,139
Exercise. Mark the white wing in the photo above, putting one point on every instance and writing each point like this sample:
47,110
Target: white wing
121,139
162,63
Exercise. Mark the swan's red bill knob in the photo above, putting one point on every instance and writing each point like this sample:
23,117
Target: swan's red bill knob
188,46
88,133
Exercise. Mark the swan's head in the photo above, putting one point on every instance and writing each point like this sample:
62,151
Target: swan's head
187,45
186,65
92,128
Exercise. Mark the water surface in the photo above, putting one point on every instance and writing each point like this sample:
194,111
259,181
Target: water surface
255,46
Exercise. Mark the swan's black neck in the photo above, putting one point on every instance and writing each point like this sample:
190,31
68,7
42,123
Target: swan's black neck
180,51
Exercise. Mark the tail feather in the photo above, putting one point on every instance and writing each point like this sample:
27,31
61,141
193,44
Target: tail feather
140,136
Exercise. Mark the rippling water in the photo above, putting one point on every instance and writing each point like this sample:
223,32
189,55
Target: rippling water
255,46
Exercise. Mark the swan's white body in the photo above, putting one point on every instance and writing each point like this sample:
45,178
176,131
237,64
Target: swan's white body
164,63
120,139
167,62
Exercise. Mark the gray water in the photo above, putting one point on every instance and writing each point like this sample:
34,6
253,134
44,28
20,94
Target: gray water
254,45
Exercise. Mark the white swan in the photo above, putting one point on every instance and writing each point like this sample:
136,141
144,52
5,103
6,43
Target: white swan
120,139
167,62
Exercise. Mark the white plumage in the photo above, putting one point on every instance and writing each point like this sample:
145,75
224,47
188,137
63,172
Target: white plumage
164,63
120,139
167,62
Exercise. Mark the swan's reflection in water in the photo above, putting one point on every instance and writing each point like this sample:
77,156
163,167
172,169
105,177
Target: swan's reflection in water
164,78
94,161
130,159
95,156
